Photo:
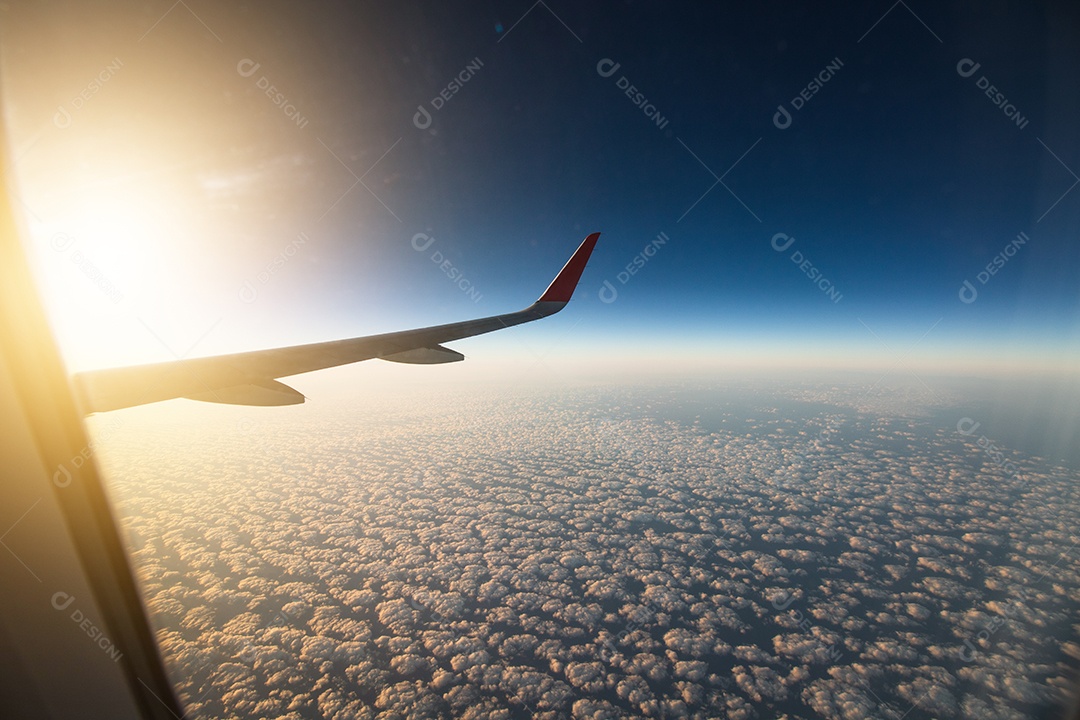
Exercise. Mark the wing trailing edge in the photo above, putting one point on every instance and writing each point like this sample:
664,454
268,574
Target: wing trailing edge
250,378
426,356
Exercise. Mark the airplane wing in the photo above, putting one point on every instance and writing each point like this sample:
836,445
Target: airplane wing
251,378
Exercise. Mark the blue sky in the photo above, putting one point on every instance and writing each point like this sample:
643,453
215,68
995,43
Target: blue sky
898,177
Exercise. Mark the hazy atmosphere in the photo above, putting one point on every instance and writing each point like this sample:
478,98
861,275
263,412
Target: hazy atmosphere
775,185
803,444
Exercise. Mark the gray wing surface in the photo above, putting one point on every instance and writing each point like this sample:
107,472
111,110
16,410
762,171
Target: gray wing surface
251,378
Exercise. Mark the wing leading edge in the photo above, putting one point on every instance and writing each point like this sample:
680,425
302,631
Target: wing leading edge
250,378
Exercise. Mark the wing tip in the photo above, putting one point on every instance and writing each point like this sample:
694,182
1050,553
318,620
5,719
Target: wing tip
562,287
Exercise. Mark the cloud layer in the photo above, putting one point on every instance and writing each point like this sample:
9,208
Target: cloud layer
584,555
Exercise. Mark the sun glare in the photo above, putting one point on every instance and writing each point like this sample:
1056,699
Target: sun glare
102,254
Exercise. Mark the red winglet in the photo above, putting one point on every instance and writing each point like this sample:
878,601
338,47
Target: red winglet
562,287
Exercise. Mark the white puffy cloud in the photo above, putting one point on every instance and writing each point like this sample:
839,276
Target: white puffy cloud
530,567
